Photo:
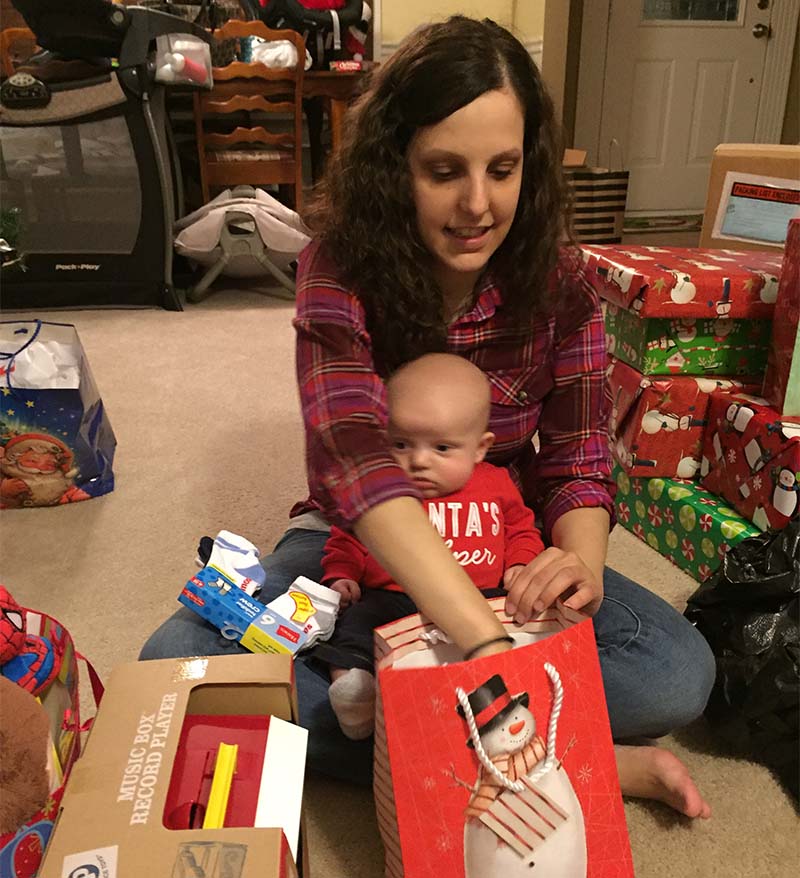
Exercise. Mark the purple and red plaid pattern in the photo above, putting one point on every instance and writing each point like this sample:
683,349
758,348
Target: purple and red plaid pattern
553,383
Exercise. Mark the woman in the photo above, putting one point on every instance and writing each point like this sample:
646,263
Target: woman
439,228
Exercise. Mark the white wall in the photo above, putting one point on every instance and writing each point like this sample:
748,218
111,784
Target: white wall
524,17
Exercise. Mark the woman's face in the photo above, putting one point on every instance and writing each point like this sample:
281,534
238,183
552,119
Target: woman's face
466,173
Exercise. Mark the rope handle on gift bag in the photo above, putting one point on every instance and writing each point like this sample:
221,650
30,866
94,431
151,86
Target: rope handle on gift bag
12,355
517,786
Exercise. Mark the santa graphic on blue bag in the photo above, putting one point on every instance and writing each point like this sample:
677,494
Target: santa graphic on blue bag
523,817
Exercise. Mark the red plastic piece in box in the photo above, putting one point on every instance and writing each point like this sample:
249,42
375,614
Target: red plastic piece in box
193,769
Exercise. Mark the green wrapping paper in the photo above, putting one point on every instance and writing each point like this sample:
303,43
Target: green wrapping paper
663,346
686,524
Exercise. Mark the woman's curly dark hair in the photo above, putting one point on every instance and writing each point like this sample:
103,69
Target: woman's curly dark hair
364,209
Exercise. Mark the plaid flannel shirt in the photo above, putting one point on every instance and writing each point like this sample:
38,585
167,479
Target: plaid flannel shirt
553,384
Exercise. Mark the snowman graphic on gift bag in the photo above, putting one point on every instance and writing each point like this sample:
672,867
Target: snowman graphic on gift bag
523,817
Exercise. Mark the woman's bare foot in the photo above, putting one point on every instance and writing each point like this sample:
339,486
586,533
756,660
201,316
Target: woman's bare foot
652,773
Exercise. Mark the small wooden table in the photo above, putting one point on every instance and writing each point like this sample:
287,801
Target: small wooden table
339,88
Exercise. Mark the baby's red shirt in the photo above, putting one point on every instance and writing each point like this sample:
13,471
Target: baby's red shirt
486,526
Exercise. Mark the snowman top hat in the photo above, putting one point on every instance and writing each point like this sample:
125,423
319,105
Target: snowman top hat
491,703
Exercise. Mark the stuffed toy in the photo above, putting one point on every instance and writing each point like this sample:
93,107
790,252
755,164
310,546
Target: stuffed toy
25,745
25,659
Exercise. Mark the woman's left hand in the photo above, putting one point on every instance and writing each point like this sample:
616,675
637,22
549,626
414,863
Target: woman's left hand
551,575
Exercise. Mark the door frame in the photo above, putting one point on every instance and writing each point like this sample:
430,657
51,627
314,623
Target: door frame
591,75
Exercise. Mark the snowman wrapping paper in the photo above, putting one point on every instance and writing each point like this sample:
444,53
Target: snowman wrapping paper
751,457
687,346
500,766
685,282
689,526
657,422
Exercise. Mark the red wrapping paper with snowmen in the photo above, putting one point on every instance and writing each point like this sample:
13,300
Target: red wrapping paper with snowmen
685,282
751,457
502,766
657,422
782,381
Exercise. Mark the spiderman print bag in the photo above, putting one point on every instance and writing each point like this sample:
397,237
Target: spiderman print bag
37,653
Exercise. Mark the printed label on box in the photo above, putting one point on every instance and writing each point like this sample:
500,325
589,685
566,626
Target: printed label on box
97,863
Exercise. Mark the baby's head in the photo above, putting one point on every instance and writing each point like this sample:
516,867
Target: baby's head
438,418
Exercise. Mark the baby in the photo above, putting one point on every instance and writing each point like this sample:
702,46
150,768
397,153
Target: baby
438,409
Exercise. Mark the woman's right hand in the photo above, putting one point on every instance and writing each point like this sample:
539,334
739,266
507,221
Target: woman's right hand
349,590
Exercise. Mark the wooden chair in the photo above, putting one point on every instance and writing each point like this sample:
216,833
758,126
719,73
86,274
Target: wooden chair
267,157
10,38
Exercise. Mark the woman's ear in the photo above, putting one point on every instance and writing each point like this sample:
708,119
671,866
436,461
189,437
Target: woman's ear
486,442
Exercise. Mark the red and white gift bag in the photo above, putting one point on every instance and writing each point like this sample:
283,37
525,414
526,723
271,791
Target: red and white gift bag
751,457
501,766
657,422
684,281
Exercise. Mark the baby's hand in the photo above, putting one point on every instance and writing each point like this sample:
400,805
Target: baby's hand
349,590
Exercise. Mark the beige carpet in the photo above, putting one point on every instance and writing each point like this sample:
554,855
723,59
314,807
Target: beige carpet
205,412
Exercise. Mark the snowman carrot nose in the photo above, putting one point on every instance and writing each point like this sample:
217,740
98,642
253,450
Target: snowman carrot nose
516,728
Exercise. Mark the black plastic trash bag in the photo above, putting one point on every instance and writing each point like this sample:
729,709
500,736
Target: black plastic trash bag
748,612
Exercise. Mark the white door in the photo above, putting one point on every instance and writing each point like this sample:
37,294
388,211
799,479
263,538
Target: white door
681,77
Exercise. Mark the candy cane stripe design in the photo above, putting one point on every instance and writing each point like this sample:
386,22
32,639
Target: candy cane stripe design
687,549
706,522
654,514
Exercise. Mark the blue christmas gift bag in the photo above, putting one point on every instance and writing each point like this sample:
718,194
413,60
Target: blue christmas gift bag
56,442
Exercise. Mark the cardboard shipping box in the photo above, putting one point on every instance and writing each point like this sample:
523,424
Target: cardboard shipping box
125,791
753,192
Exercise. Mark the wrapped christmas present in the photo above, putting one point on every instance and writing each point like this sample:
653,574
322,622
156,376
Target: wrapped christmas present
682,282
782,381
687,345
656,424
686,524
751,457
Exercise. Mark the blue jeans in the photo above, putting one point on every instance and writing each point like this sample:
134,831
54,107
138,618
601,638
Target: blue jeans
657,669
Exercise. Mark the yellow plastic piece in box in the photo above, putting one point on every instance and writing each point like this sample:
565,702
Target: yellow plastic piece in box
221,786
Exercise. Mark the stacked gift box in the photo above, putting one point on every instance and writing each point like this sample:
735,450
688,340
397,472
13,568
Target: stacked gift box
687,329
690,526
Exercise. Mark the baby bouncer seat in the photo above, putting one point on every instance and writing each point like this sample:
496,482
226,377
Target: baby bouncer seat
243,232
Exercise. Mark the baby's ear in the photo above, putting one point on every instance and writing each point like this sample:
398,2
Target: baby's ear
486,442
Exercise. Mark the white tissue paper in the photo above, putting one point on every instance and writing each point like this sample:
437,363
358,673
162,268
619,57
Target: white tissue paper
47,363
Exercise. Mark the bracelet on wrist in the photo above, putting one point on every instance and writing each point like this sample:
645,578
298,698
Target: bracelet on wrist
504,638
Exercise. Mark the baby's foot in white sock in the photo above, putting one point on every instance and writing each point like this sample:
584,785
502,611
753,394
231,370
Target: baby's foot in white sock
353,701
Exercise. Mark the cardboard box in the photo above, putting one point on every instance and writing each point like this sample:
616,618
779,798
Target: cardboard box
751,164
682,282
751,457
113,814
688,525
782,381
687,346
657,423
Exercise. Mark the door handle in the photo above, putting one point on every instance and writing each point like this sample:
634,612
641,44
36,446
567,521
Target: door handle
762,31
